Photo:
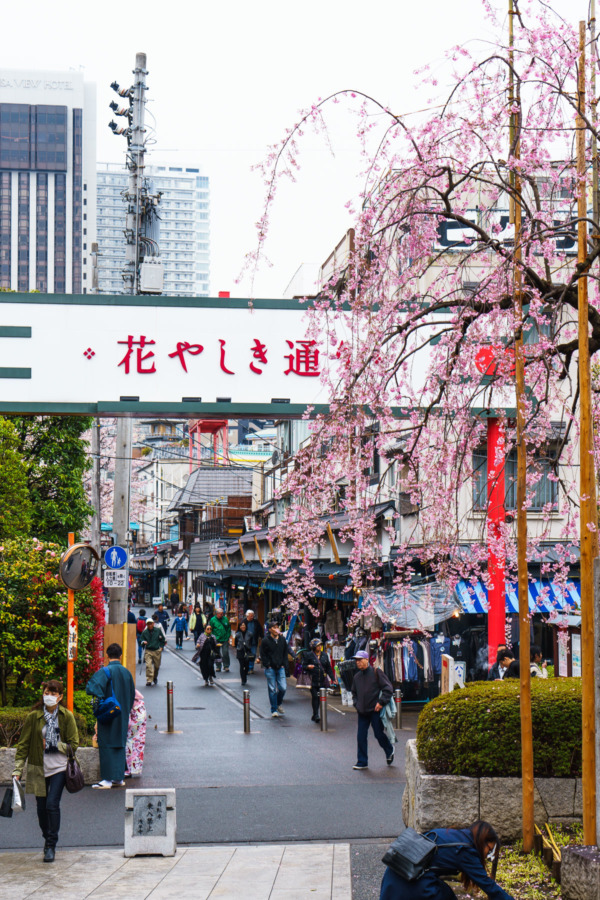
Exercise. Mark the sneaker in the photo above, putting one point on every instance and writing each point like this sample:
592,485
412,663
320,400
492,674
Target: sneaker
390,759
275,715
280,710
358,766
103,785
148,684
226,670
315,719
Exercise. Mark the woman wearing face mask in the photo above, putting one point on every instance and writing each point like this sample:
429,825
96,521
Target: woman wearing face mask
460,851
47,734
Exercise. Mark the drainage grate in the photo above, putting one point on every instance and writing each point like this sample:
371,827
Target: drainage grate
190,707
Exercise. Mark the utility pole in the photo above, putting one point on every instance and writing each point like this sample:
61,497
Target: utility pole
118,596
143,272
135,164
588,512
96,497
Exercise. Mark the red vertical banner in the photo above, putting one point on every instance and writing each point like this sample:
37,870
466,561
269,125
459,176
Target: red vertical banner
496,516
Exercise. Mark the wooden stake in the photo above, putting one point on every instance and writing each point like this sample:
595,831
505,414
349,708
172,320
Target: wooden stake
241,551
524,624
258,553
334,547
587,485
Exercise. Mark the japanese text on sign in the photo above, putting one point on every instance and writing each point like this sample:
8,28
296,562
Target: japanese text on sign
302,360
115,578
72,639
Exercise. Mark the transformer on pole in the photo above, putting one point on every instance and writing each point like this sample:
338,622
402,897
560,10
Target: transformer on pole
143,270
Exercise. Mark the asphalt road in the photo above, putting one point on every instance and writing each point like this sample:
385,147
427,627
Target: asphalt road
285,781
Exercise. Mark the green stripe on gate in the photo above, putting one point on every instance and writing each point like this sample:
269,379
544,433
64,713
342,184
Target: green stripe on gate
15,373
15,331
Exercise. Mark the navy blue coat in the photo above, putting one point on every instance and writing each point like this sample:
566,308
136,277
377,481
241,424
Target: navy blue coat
113,733
447,861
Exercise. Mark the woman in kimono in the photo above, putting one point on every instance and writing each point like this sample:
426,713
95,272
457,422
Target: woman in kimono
136,737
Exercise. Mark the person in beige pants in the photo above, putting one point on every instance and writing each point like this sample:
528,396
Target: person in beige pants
153,641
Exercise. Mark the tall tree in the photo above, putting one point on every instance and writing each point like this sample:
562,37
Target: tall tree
421,322
56,460
15,504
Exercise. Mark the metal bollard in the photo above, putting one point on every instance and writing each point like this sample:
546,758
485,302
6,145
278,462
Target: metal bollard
398,702
170,717
246,712
323,708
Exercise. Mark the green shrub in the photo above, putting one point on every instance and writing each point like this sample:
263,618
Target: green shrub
82,704
477,731
12,719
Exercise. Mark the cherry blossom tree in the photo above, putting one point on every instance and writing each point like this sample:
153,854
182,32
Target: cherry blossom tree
425,307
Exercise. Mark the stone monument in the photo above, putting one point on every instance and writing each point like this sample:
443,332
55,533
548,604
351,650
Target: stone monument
150,822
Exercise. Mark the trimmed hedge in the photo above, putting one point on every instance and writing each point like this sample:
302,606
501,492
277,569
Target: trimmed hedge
476,731
12,719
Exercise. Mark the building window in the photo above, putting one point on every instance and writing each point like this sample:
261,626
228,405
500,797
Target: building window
546,487
60,234
5,224
41,227
23,232
77,198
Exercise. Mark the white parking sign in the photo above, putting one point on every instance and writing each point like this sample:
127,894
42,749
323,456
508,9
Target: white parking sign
115,578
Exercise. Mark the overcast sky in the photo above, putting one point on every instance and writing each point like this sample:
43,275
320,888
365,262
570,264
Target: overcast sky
227,78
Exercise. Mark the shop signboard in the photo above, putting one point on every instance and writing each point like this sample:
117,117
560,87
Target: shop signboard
460,673
72,639
576,655
563,670
447,683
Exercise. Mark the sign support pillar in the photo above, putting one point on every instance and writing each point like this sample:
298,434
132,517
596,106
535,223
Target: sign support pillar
70,662
496,455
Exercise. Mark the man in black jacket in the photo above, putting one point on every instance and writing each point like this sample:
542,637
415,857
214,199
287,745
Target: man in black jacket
274,657
256,632
371,690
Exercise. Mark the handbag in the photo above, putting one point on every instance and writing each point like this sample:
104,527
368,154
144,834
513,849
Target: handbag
73,775
411,854
109,708
6,805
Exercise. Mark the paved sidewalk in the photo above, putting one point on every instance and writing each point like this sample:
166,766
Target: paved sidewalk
254,872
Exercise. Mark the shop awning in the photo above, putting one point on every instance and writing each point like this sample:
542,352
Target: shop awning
544,596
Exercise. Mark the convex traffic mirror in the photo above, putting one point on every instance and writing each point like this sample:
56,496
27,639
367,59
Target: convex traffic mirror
78,566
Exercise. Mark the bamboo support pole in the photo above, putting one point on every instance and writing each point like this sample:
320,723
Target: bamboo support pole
523,581
587,485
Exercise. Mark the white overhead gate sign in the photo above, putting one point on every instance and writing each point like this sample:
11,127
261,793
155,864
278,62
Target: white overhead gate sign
95,353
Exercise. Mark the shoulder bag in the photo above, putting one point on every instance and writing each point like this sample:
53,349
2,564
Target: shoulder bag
411,854
73,775
6,805
109,708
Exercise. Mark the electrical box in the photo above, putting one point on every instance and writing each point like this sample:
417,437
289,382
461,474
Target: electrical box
151,276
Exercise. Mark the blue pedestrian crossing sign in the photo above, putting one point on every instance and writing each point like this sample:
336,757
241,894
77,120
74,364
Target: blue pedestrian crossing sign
115,557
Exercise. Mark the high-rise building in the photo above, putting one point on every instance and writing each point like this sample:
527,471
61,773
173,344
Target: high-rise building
47,181
184,228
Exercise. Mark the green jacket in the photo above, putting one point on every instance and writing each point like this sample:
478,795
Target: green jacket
221,629
30,748
155,640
